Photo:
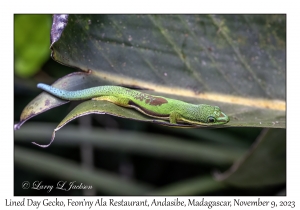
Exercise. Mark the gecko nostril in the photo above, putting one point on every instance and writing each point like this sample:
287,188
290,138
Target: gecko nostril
222,114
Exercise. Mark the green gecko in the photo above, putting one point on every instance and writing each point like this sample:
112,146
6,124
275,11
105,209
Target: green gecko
175,111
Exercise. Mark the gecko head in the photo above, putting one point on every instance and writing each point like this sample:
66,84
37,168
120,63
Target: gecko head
212,115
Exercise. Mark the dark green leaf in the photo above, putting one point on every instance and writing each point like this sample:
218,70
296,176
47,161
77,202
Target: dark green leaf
234,61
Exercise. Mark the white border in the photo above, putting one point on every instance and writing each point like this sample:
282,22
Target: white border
154,6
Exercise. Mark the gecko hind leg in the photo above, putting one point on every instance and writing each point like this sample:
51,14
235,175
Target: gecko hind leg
116,100
174,117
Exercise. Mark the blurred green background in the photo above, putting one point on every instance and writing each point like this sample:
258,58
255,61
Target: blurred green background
124,157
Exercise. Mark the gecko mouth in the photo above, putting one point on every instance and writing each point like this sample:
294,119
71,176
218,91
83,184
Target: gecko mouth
223,118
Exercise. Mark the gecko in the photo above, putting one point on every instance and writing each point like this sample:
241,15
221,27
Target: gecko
172,110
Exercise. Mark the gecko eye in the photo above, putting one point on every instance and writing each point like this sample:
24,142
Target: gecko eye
211,119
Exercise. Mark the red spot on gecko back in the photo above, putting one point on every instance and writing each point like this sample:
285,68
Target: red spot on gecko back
156,101
149,99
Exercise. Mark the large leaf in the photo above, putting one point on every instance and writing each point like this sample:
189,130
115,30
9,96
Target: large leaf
234,61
